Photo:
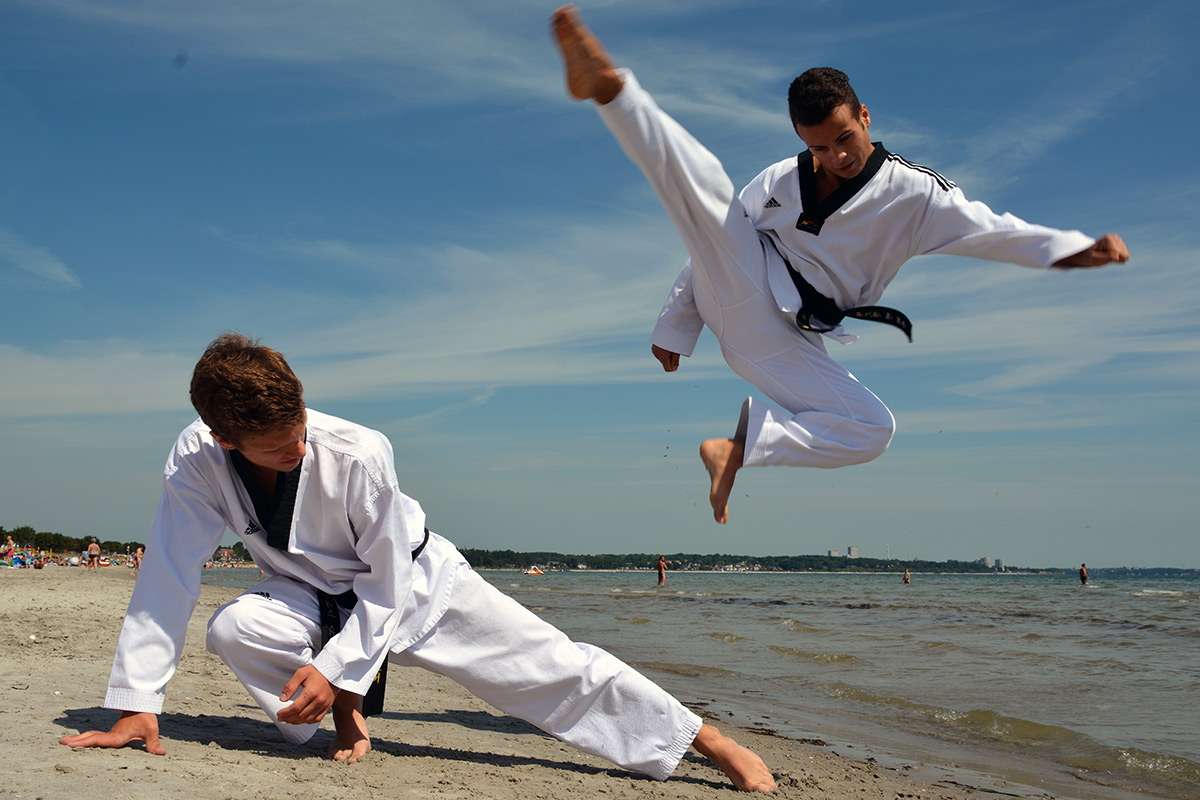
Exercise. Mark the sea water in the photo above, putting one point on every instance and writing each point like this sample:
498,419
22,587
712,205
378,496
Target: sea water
1081,691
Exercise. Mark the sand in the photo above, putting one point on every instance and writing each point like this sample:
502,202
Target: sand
58,630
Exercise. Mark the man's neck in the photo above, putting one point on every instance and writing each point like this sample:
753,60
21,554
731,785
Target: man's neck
265,478
827,183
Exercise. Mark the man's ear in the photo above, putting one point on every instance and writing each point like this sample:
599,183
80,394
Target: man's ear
223,443
865,116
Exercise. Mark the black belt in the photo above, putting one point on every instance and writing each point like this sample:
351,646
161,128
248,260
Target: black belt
331,623
816,307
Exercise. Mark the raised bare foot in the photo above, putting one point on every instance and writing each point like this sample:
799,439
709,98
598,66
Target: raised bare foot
722,458
591,74
740,765
350,740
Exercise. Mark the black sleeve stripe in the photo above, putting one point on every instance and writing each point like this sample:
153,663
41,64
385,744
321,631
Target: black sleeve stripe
943,182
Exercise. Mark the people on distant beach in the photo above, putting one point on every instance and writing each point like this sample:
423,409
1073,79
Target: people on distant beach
810,240
662,571
355,579
907,577
137,560
1083,576
93,556
10,547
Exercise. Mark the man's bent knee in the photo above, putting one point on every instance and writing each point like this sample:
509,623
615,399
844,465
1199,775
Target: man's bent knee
223,630
249,618
876,439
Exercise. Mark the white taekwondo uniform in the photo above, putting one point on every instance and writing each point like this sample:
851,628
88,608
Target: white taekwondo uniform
738,285
352,528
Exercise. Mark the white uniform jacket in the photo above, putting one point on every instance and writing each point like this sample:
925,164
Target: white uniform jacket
351,528
850,246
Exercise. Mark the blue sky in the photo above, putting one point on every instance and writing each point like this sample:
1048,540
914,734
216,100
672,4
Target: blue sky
400,197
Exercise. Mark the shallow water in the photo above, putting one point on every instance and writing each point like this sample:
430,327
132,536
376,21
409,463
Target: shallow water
1094,685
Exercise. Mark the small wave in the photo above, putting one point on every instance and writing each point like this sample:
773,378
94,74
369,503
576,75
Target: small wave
1120,765
844,691
820,658
727,637
800,627
634,620
758,601
1153,762
686,670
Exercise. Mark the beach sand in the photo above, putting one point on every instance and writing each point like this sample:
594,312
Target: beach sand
58,631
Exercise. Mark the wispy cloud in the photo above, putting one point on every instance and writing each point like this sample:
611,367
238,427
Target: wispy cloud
404,49
86,378
36,261
423,422
543,310
1088,85
1034,329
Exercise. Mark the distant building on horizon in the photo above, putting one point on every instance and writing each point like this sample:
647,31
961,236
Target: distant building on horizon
851,552
834,554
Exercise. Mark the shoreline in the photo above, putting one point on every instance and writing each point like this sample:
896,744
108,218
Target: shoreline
873,573
61,626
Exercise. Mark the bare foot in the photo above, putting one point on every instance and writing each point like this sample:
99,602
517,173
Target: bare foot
740,765
591,74
350,740
722,458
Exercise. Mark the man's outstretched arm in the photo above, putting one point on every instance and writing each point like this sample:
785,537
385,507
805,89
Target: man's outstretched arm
1108,249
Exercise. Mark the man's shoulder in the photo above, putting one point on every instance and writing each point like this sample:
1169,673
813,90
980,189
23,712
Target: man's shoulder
775,172
350,439
333,428
774,187
914,175
193,442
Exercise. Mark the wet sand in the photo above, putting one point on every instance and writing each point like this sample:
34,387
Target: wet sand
58,631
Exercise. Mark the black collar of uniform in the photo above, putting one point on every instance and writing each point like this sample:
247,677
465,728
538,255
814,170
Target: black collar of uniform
274,513
815,211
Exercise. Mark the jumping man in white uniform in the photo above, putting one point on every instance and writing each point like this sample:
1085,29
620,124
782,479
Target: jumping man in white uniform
808,241
355,579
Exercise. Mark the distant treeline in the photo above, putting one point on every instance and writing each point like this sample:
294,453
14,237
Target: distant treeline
1143,572
26,536
508,559
57,543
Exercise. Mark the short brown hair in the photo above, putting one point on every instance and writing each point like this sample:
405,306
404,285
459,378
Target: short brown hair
241,388
817,93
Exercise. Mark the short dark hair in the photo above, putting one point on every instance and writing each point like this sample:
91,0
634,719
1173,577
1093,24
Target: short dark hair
815,94
241,388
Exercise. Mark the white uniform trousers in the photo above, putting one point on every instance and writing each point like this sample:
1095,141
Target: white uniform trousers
832,420
491,645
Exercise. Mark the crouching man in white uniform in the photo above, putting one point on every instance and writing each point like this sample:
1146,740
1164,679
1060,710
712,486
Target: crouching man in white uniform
840,219
316,502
